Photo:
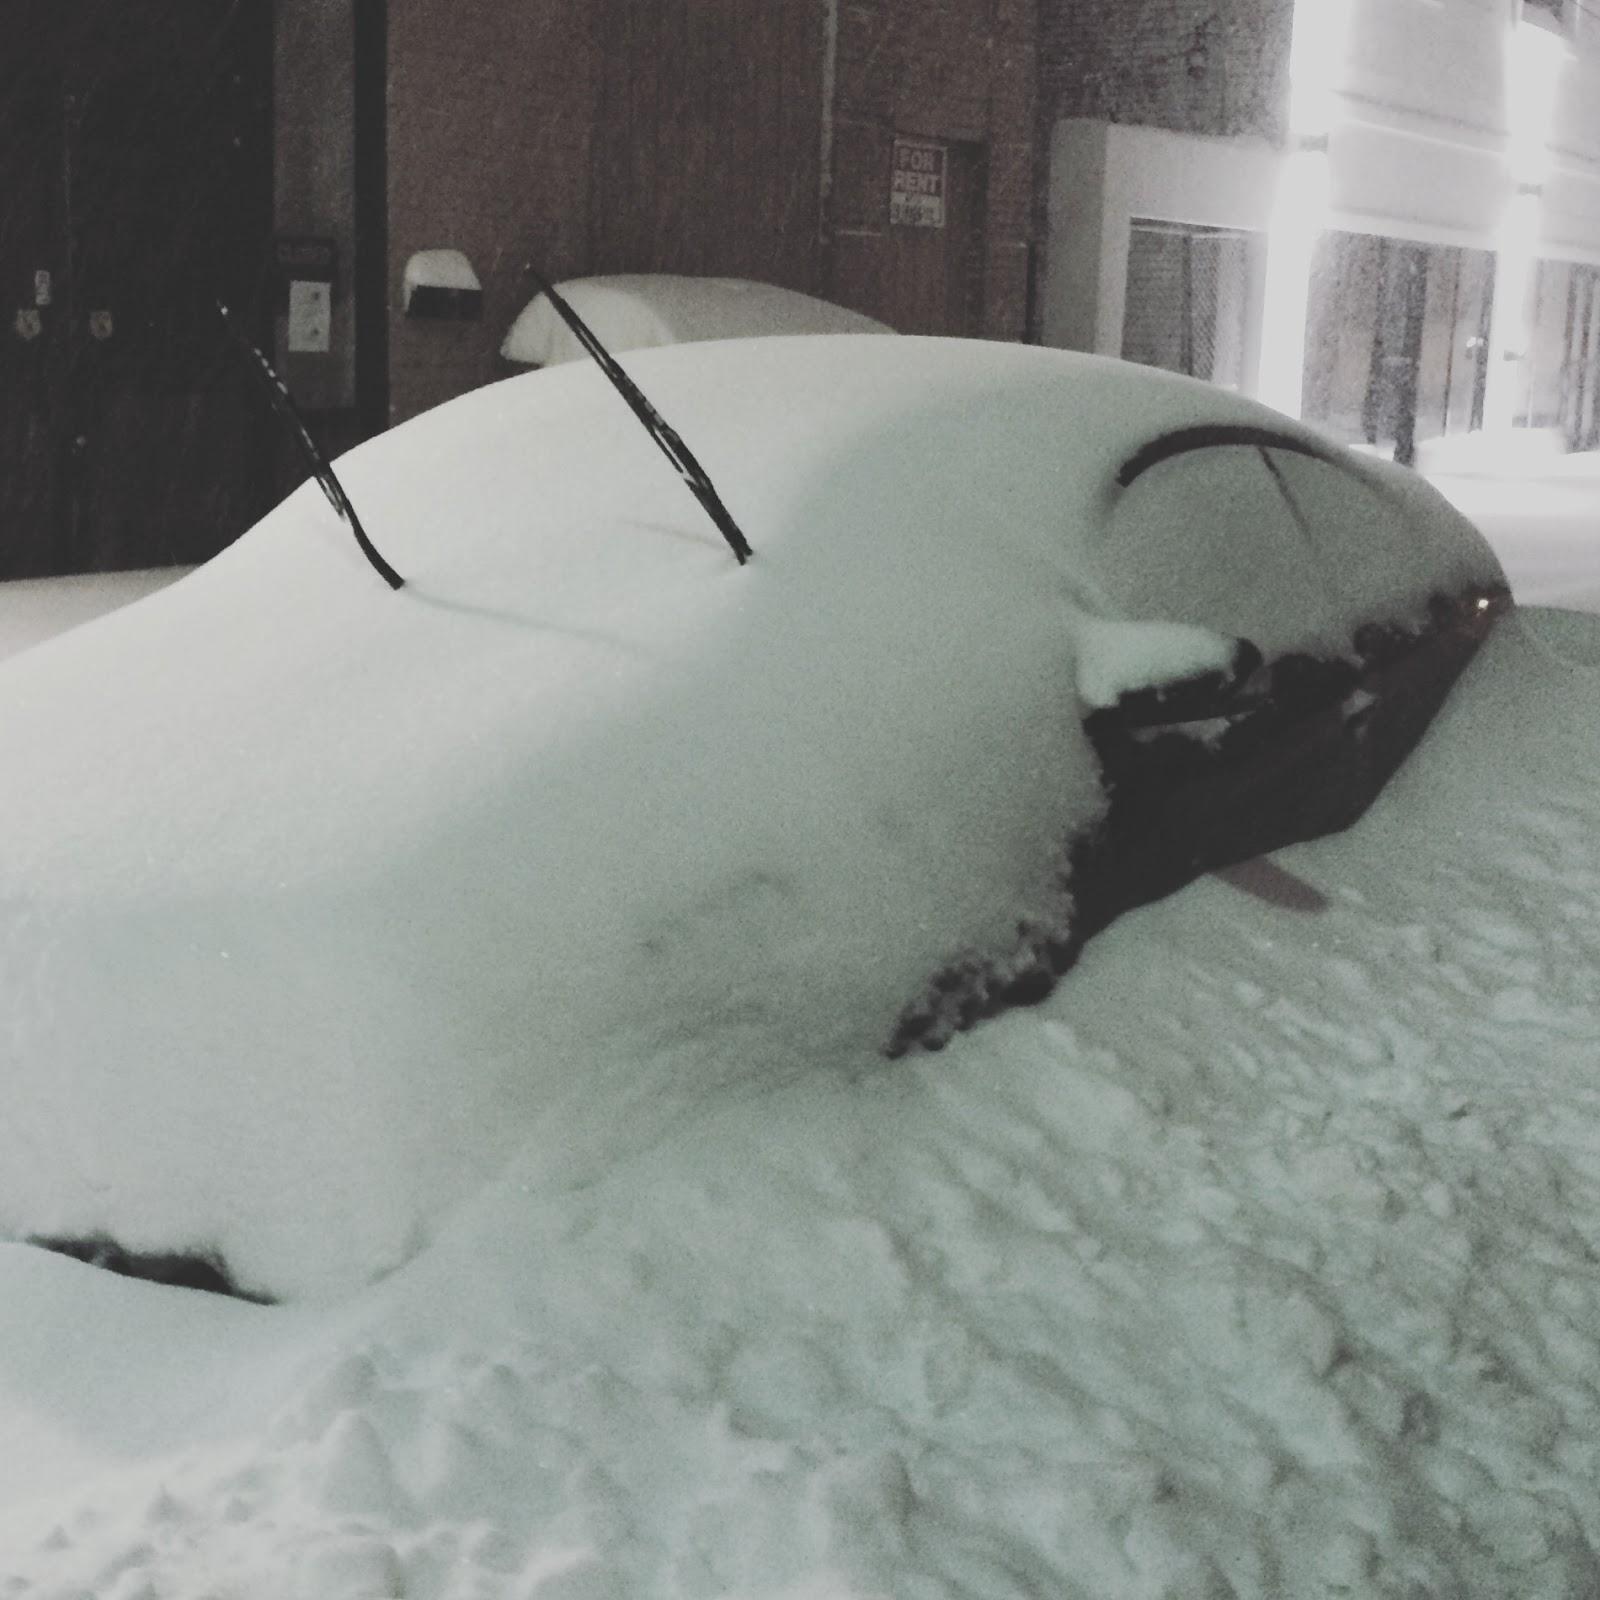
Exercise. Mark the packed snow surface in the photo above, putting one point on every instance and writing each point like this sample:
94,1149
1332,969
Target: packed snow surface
638,311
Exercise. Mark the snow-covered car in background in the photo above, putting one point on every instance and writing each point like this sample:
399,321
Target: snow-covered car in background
589,819
639,311
35,609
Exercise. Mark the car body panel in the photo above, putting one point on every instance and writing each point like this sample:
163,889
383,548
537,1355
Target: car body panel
411,871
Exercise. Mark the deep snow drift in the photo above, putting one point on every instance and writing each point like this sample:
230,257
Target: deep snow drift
1260,1261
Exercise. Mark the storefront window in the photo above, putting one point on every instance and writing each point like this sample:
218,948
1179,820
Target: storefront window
1396,340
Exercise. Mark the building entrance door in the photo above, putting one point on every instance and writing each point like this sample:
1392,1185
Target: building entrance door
935,278
135,158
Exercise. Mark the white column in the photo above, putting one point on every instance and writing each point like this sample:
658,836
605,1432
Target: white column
1299,214
1300,207
1533,61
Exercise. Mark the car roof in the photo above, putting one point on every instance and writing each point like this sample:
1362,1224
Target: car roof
905,493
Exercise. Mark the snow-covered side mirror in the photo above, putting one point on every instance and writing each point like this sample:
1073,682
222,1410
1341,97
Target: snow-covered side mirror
1150,674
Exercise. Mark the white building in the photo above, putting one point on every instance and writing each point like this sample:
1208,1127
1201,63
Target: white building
1412,251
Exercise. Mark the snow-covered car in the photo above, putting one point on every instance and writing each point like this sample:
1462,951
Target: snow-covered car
639,311
590,814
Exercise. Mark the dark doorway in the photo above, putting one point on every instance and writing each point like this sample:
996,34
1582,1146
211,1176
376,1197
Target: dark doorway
135,154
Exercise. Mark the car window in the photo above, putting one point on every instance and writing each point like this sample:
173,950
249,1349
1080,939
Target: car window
1254,539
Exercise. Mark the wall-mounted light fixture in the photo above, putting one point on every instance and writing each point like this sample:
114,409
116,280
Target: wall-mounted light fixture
440,284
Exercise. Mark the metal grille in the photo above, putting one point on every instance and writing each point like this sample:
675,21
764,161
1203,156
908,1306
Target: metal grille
1186,307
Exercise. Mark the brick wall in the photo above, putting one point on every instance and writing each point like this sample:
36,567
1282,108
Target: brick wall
950,70
655,135
1194,66
490,125
707,139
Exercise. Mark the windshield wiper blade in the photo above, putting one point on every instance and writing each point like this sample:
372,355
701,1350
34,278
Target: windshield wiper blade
321,470
1213,436
666,437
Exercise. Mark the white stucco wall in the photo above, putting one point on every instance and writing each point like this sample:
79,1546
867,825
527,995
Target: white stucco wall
1420,147
1406,175
1103,175
1442,59
1577,107
1419,151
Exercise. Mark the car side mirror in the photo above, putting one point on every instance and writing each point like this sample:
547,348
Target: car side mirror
1219,692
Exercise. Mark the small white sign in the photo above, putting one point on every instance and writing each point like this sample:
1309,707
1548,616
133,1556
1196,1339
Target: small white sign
310,317
916,184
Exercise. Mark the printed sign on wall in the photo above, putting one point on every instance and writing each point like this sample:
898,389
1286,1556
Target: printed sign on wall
916,184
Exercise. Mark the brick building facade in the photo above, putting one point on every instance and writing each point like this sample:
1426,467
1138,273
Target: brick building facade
1109,175
962,73
743,138
340,138
489,143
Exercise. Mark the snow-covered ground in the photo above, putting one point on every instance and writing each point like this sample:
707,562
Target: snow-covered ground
1262,1260
1544,524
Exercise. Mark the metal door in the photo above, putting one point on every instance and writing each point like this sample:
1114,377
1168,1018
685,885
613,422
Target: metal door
1186,302
936,272
135,155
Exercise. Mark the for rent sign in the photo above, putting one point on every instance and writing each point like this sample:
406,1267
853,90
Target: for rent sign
916,183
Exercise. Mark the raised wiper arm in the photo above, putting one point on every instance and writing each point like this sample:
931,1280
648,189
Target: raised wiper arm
321,470
665,436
